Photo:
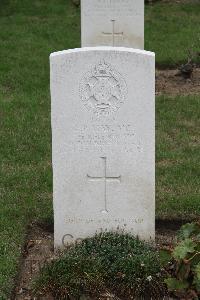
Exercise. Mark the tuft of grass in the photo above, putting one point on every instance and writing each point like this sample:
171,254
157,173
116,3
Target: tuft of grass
117,263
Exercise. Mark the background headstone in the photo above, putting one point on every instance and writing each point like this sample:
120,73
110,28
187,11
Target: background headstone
103,142
112,23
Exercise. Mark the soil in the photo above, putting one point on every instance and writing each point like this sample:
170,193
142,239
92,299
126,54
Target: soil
38,250
171,82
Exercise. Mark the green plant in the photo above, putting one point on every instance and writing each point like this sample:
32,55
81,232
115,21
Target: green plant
184,269
107,263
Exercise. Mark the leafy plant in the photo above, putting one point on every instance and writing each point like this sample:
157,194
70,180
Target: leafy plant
108,263
184,267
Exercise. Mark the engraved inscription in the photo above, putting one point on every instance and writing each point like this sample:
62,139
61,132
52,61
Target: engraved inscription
117,8
81,220
105,179
105,138
103,90
68,239
113,34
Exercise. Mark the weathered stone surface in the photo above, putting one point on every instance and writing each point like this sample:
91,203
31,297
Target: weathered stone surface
103,142
112,23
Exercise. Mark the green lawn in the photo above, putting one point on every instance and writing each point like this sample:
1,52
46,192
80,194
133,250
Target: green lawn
177,150
30,31
171,30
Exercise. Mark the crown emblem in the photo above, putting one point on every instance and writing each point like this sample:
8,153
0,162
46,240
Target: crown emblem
102,69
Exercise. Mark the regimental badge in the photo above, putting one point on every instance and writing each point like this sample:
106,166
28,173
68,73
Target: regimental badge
103,90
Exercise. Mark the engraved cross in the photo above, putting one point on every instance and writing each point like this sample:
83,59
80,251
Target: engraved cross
113,33
105,179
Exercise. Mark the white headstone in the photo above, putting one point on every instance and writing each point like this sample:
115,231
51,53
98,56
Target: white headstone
112,23
103,142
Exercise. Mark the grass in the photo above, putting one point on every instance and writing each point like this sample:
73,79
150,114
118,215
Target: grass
96,267
178,167
27,37
30,31
171,30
